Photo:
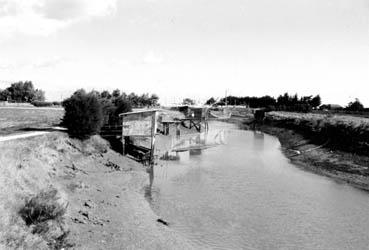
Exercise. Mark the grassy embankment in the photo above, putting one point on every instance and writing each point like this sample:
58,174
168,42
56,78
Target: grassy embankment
335,146
58,192
15,119
347,133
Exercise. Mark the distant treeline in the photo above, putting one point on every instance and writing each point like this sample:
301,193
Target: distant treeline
287,102
283,102
22,92
136,101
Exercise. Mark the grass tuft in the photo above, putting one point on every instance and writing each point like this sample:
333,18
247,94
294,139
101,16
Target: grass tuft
42,207
44,214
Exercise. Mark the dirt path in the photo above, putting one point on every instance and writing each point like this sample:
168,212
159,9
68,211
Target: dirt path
22,136
17,136
32,108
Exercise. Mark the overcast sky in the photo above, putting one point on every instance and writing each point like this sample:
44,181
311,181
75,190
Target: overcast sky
188,48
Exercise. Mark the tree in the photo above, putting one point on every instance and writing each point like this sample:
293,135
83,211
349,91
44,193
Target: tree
316,101
39,95
83,114
154,99
16,91
210,101
28,91
105,94
22,92
188,101
355,106
123,106
4,95
306,99
115,93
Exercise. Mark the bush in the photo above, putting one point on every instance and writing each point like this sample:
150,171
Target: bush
346,133
83,114
57,103
355,106
45,215
41,208
45,104
42,104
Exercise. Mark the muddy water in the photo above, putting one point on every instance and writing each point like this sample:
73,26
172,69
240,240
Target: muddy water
244,194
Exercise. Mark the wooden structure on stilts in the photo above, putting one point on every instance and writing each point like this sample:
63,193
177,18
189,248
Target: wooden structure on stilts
196,118
137,127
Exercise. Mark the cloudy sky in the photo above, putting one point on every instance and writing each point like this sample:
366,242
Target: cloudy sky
188,48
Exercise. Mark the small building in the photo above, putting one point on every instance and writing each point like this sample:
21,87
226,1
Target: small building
138,134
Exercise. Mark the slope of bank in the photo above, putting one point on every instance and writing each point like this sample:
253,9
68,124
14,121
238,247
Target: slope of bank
96,197
320,158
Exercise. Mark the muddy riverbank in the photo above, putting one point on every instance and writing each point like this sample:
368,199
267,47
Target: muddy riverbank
99,201
310,152
342,166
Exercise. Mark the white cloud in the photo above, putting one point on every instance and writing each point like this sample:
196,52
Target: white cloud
43,17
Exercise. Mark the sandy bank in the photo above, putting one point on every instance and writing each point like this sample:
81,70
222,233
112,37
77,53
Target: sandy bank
106,208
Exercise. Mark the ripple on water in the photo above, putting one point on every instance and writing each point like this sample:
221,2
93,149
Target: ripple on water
246,195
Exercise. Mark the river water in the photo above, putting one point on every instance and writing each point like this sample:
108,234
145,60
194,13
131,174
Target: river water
244,193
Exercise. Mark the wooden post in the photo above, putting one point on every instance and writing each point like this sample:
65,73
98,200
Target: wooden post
123,139
153,133
123,145
178,131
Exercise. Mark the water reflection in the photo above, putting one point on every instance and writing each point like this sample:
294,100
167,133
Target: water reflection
244,194
148,188
258,140
168,147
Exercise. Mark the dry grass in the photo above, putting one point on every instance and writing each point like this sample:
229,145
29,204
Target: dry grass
348,133
12,119
31,211
42,207
333,119
44,214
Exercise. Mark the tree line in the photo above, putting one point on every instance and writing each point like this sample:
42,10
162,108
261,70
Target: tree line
283,102
286,102
22,92
117,102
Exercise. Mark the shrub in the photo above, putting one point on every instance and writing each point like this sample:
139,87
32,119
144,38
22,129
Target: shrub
57,103
83,114
42,104
355,106
45,215
41,208
346,133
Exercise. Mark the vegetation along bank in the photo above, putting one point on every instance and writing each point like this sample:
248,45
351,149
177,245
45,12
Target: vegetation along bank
331,145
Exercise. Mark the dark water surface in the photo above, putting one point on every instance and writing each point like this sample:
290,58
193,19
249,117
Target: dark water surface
245,194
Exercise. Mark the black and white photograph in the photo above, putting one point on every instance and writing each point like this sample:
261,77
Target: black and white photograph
183,124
